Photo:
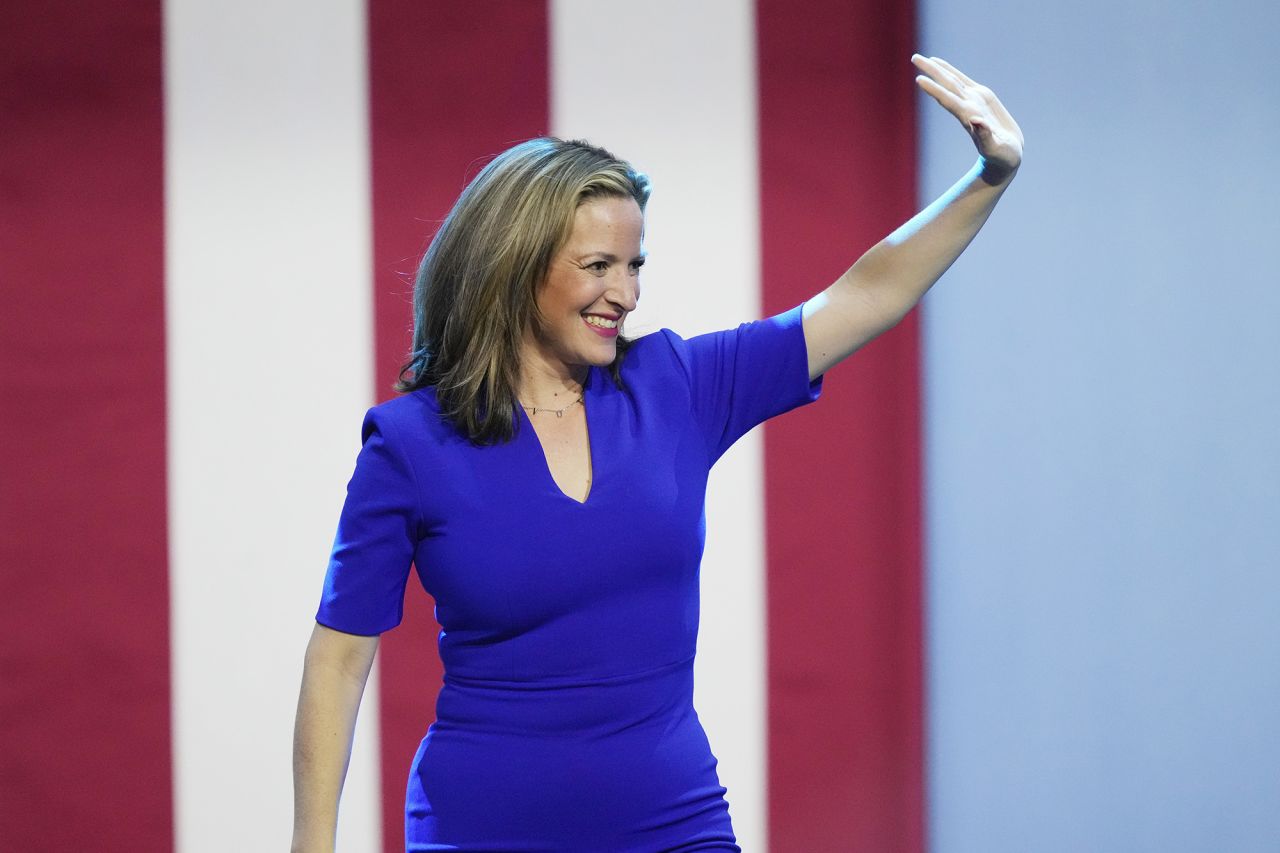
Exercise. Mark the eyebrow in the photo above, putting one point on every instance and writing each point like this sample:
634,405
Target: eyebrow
613,259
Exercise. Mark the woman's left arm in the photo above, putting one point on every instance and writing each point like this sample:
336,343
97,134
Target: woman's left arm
889,279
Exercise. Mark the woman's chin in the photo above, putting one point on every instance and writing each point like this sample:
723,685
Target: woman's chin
604,360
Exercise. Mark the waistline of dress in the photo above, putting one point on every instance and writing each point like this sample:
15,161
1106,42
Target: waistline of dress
656,672
661,696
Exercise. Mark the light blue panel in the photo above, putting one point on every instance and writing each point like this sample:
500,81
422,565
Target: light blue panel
1103,416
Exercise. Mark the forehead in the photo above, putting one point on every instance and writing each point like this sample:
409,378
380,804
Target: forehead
607,218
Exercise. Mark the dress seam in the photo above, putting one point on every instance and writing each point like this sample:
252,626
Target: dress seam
623,678
413,474
679,358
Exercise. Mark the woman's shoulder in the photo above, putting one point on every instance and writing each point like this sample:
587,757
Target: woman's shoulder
661,344
769,339
656,357
657,350
407,405
414,414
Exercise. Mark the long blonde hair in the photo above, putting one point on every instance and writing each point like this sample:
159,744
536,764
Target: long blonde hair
476,286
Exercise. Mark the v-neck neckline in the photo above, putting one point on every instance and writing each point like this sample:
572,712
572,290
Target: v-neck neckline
587,388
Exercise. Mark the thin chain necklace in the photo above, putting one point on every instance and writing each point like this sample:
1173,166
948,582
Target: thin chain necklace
559,412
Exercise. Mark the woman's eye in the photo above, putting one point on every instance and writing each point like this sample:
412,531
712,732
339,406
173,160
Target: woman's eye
598,266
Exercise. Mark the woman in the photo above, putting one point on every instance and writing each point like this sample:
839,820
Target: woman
546,476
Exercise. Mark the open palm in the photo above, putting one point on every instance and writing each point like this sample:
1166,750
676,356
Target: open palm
994,132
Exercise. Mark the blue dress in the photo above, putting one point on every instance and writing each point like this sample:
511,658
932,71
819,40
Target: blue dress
565,720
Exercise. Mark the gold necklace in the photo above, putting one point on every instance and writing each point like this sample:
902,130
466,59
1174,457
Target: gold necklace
559,412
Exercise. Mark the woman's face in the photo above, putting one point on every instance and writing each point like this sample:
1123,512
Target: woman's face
592,283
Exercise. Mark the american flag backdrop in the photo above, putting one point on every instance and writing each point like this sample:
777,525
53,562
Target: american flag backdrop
212,213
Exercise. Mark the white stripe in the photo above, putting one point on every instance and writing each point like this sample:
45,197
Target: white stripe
269,370
640,79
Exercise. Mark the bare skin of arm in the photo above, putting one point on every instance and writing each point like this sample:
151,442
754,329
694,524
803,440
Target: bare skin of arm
333,679
891,277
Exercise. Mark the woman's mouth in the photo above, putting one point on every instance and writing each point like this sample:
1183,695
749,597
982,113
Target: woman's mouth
602,326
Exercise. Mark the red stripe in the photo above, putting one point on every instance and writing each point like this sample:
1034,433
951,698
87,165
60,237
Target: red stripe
84,696
449,82
837,159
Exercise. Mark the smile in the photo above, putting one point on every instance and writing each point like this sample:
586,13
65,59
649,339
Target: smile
602,327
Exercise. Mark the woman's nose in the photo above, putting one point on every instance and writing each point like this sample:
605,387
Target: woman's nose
626,292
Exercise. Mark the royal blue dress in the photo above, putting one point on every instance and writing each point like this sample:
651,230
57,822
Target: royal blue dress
565,720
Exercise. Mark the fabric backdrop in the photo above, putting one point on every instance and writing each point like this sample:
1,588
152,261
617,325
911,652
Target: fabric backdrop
209,219
221,210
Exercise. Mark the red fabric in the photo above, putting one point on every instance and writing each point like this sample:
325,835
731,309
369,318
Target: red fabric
449,82
84,653
842,478
84,656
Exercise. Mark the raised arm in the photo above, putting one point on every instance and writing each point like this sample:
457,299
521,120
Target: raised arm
889,279
333,679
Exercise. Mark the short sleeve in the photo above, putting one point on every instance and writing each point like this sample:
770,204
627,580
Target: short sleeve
377,535
741,377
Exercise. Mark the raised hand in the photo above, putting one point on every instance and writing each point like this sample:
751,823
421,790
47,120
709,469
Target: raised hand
994,132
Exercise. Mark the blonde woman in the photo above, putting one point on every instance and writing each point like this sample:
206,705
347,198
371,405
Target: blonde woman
546,476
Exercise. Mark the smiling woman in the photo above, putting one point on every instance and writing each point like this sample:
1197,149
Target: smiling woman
566,716
584,299
591,285
543,222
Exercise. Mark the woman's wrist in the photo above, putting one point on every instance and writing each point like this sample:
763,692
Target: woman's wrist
994,174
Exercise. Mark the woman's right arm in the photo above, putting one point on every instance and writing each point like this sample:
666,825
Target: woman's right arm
333,678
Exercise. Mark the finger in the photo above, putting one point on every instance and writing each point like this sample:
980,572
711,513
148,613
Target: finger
944,96
992,99
956,72
939,74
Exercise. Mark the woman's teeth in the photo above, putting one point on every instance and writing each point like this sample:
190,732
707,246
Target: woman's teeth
601,322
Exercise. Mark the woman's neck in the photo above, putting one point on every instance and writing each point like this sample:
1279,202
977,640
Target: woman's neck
548,382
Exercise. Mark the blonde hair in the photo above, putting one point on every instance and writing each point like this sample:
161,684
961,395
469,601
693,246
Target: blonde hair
476,287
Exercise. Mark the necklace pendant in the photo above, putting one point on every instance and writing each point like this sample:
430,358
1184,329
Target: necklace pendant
560,413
